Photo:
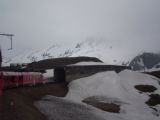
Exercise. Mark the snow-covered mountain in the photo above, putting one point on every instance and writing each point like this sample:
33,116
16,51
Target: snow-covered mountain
146,61
157,65
29,55
99,48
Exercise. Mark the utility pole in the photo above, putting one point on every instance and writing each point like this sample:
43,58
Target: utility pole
10,37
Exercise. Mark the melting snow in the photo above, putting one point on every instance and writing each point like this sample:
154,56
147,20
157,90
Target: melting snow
110,85
88,63
48,76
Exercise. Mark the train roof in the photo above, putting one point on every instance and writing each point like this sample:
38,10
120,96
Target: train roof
20,73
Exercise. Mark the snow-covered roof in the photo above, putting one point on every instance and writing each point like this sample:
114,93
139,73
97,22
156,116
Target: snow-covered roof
11,73
20,73
87,63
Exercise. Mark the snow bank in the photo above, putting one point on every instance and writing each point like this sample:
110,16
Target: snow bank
61,109
48,76
109,87
104,84
117,86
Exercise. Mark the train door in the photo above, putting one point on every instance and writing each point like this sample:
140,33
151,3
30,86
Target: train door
20,80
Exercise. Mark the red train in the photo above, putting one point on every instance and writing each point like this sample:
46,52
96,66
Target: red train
15,79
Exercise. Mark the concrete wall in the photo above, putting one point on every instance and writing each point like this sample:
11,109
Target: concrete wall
76,72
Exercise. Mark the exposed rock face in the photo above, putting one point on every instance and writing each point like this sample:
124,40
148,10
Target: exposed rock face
153,100
145,88
145,61
104,103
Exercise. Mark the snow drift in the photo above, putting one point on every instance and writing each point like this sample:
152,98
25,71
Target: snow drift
110,87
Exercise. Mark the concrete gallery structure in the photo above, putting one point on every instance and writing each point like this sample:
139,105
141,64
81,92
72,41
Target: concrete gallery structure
67,69
72,72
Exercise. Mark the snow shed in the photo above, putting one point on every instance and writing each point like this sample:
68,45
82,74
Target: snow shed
69,73
57,62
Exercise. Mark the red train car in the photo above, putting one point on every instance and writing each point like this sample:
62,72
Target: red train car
15,79
11,79
1,84
31,78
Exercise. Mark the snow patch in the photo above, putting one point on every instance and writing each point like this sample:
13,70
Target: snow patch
87,63
48,75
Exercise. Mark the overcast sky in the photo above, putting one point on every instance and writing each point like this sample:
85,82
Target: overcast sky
129,24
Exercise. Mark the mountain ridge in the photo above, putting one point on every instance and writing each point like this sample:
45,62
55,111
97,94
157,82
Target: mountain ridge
99,48
145,61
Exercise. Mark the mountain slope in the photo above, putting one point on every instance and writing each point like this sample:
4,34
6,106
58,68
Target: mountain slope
99,48
145,61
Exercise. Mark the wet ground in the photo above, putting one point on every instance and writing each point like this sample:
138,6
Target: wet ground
18,104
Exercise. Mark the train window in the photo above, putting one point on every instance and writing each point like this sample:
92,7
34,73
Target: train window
11,78
8,77
5,77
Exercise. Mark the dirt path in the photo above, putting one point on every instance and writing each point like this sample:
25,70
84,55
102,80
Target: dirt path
17,104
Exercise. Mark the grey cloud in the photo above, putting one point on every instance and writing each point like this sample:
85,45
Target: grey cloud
37,24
